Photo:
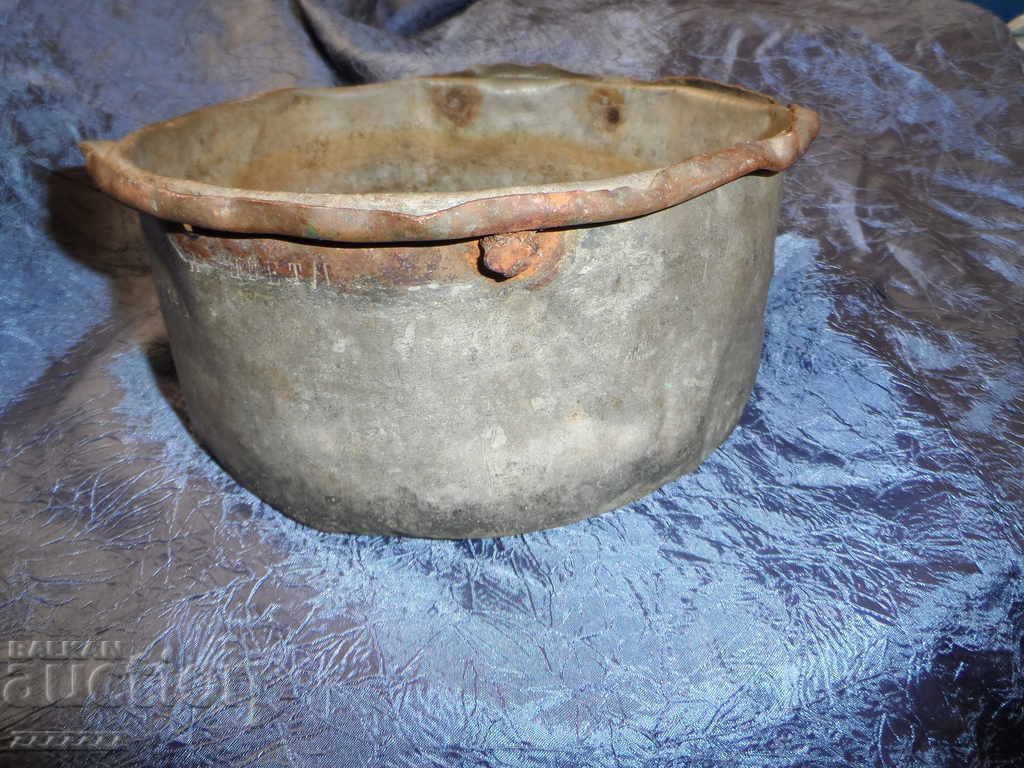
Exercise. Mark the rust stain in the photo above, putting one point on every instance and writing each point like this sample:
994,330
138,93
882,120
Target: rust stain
378,268
344,267
606,104
549,255
510,254
379,160
458,103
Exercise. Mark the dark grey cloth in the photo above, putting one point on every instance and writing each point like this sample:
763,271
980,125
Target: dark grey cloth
839,584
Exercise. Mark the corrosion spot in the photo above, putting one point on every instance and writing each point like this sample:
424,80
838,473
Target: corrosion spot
458,103
507,255
606,106
532,258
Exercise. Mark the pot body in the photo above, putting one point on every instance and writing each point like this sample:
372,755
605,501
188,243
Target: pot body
410,390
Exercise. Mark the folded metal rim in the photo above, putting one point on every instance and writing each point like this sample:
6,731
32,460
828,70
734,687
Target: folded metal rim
394,217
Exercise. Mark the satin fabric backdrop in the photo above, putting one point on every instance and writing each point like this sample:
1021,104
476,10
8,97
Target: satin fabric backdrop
840,584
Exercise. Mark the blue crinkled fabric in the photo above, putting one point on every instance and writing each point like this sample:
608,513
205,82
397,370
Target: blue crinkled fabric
838,585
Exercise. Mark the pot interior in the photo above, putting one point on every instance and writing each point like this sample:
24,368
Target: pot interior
451,134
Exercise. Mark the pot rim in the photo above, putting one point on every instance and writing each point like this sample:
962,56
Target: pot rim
427,216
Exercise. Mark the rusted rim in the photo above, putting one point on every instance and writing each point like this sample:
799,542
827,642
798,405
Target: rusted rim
397,217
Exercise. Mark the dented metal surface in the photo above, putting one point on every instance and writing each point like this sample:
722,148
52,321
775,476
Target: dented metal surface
456,101
465,305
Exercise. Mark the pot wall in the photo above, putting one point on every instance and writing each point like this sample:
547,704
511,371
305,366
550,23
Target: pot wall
446,403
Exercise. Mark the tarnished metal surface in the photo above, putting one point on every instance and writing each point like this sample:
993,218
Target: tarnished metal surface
345,267
499,320
531,257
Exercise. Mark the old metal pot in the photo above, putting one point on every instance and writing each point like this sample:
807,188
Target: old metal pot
465,305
